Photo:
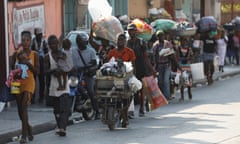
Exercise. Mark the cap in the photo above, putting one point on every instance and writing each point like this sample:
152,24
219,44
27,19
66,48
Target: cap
38,31
132,26
159,32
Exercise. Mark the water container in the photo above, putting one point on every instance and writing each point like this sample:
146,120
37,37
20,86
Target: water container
15,87
197,71
99,9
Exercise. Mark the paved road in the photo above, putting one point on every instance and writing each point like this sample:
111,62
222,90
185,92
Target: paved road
212,117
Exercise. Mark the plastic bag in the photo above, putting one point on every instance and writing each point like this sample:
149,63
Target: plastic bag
177,78
134,84
107,28
99,9
155,96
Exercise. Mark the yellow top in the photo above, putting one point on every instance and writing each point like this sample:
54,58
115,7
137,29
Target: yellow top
28,84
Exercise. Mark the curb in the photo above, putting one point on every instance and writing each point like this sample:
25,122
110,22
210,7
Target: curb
48,126
204,81
8,137
37,129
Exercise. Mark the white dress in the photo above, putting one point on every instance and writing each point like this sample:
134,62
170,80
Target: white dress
54,82
222,48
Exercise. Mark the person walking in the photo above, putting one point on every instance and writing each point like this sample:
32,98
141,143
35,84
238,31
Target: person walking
230,48
143,66
222,48
184,57
236,45
209,52
39,44
121,52
27,87
164,57
60,98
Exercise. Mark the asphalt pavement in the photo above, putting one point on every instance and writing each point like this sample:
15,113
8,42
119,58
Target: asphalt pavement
41,117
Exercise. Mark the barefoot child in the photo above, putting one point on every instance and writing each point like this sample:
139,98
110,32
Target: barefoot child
65,63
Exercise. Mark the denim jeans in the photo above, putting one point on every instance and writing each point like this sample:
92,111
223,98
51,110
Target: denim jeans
164,80
90,82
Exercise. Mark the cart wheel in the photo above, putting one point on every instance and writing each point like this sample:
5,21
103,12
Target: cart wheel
111,119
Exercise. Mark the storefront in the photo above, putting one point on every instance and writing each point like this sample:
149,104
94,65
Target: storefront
229,10
3,43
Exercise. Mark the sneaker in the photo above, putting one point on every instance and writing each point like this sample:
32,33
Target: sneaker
141,114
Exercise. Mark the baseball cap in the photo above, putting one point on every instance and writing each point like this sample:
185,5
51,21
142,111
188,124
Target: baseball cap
38,31
132,26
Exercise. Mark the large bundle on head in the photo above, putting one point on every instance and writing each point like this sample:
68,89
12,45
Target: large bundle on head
107,28
236,23
163,24
185,28
99,9
144,30
160,13
207,23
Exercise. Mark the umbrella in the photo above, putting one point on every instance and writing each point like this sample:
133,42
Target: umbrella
207,23
163,24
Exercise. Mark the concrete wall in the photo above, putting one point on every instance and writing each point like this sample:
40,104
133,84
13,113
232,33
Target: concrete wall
53,17
212,8
139,8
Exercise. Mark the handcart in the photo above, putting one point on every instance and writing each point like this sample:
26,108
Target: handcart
114,97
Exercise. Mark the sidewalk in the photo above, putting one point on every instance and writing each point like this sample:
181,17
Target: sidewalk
42,119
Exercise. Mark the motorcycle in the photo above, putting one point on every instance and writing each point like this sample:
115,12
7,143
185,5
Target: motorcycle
80,99
114,97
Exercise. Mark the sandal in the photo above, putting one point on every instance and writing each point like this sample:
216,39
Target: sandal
23,141
61,132
30,135
181,99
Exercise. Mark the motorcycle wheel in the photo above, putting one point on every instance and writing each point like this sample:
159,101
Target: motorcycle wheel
111,120
88,115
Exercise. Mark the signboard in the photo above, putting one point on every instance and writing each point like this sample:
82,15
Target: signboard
27,19
83,2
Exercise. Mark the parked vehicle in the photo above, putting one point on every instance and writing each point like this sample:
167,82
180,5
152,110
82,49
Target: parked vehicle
80,99
73,34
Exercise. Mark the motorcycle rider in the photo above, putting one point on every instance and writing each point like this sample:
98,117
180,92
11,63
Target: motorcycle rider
85,56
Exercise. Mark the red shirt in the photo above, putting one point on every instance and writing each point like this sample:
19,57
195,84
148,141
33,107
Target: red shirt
126,54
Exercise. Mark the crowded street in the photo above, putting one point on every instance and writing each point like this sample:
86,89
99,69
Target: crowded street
211,117
120,71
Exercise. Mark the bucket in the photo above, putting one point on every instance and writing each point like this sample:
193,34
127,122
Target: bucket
15,87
